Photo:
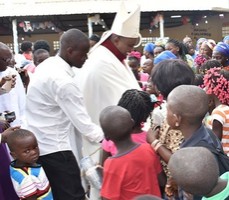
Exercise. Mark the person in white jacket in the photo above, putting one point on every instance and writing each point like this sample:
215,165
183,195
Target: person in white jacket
105,76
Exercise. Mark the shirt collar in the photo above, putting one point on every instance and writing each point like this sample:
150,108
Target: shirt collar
67,67
110,46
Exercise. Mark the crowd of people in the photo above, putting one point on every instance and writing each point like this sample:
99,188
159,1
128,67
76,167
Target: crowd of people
156,122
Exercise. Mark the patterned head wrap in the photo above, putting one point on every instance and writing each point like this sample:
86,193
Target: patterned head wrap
216,81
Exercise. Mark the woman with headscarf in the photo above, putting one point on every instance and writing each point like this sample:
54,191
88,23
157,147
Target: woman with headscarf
221,53
205,54
199,43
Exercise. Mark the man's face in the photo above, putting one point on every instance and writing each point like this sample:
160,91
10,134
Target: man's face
5,59
125,45
78,56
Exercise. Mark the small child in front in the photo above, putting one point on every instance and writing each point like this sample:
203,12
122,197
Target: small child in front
135,169
28,177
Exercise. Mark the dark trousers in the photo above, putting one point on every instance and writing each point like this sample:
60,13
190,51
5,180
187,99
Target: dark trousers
64,175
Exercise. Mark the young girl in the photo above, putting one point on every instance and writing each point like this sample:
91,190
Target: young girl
216,83
139,104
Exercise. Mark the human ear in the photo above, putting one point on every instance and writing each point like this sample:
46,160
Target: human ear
177,119
13,154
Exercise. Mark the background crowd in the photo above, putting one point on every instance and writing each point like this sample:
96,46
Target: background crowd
156,122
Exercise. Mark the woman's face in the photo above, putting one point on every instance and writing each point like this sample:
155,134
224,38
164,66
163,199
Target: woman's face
205,50
220,57
173,48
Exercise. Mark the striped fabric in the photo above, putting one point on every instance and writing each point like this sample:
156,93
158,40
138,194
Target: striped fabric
29,181
221,114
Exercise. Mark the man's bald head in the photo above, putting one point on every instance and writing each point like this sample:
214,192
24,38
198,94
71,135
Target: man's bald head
5,56
74,46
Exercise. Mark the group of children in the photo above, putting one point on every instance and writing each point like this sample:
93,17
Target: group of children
138,163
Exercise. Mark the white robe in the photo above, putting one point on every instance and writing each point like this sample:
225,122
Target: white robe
103,80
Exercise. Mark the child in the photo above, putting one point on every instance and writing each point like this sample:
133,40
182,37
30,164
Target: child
187,115
139,104
216,83
128,173
28,177
196,171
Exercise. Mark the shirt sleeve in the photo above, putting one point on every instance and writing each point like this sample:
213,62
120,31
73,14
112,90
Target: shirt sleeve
70,100
218,115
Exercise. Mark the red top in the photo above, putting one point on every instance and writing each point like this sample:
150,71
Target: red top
129,175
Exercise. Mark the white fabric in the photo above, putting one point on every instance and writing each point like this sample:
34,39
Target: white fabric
103,81
55,106
159,114
14,100
126,23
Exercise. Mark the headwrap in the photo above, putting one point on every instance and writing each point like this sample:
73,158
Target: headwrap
222,48
215,83
200,40
165,55
226,38
211,43
135,54
149,47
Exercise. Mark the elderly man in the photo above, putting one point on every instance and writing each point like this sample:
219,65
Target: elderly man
54,108
105,75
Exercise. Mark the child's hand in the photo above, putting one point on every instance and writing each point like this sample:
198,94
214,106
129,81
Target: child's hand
152,134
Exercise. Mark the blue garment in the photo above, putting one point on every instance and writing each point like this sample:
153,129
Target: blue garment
165,55
149,47
223,48
29,181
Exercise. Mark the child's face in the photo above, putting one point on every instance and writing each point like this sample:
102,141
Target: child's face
26,151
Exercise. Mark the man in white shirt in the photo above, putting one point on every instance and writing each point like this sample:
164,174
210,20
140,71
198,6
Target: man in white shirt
54,107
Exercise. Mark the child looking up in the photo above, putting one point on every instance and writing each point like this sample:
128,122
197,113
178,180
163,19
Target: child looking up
132,173
139,104
28,177
216,83
196,171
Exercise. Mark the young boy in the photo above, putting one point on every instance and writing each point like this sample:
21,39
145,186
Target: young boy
128,173
196,170
186,107
28,177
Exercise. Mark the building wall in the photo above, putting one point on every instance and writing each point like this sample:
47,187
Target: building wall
212,29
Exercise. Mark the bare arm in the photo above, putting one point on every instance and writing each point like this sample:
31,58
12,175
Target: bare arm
105,155
217,128
163,152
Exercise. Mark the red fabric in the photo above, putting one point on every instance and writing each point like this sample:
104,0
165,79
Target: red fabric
109,45
132,174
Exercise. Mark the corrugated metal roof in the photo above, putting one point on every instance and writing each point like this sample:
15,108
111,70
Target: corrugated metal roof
10,8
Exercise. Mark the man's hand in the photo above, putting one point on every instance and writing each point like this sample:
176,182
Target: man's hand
4,125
